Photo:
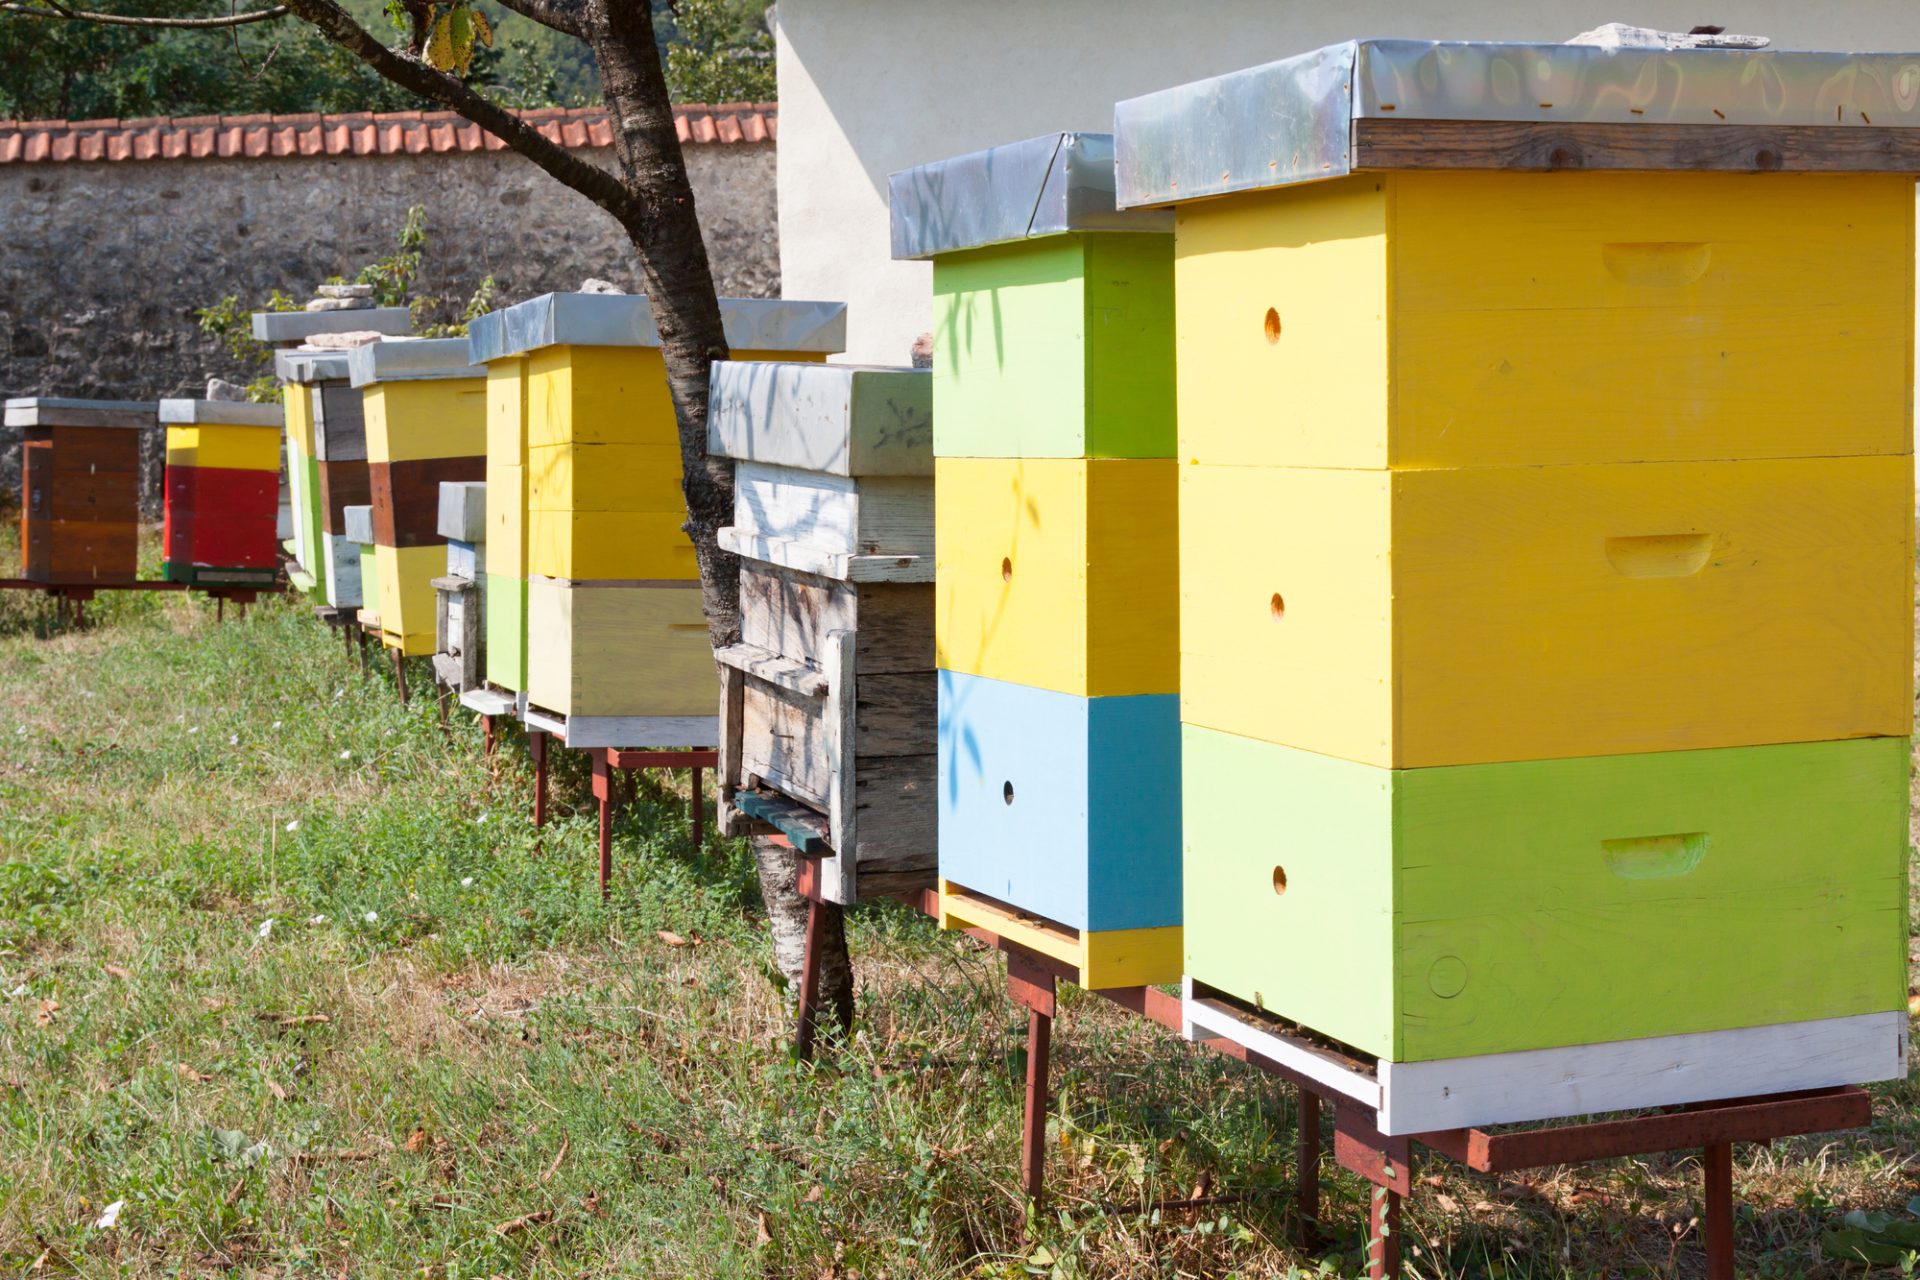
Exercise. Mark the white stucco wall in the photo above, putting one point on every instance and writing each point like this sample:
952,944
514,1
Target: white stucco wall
871,86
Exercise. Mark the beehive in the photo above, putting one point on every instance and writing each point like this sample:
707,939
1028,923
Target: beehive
828,703
304,370
426,423
616,650
358,523
222,492
80,487
1056,591
1546,542
458,623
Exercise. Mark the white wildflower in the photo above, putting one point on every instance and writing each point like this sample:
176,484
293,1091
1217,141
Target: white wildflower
110,1215
266,928
192,729
294,825
466,882
346,755
372,917
316,919
276,724
233,739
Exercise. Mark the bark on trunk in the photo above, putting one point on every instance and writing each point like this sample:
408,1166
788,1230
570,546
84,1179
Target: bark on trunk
665,231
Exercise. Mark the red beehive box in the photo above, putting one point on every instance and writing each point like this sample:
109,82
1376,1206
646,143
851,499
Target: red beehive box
80,482
223,492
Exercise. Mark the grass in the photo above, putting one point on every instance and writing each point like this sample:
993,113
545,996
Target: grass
284,970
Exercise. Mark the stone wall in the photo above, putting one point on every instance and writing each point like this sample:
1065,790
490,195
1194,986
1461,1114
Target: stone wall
102,264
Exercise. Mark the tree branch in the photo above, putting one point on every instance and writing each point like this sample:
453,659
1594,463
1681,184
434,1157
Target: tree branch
122,20
589,179
562,15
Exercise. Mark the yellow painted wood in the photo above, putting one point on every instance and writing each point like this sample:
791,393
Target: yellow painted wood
238,448
1419,618
1101,958
298,399
407,602
608,395
506,519
609,544
618,651
1059,573
507,411
1459,319
429,418
605,477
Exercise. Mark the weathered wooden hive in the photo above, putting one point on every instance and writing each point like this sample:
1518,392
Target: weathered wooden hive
461,591
1547,567
80,487
222,492
1056,590
828,703
358,523
306,371
426,423
617,652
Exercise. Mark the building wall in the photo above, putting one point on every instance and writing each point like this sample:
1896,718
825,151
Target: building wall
867,88
102,264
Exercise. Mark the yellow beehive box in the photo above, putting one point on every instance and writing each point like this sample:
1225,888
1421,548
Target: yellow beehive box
1057,573
426,423
610,649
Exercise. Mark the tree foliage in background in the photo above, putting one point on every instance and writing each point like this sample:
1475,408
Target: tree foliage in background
716,51
723,52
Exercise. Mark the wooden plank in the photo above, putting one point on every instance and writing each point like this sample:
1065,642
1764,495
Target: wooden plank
339,423
1382,142
1345,1076
786,673
1447,617
896,820
1589,1079
605,477
838,516
339,485
618,651
1108,958
590,545
506,538
804,828
1059,573
790,612
406,497
623,732
842,733
437,418
732,722
507,412
826,564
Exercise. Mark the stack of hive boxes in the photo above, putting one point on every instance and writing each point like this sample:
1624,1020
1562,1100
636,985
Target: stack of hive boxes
80,485
505,593
306,370
457,650
828,702
426,422
617,652
1056,595
222,492
1547,575
340,461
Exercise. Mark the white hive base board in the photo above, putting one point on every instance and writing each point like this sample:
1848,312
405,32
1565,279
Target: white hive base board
488,702
626,733
343,571
1578,1080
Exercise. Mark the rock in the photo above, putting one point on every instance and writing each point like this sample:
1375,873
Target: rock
344,341
594,284
344,291
221,389
923,351
1621,35
341,304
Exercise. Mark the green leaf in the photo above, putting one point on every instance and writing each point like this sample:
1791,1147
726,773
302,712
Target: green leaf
460,33
1843,1244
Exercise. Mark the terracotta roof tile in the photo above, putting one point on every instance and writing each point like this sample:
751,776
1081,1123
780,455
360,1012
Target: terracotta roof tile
357,133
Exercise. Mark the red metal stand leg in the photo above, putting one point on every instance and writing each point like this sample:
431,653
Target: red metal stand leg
603,789
537,748
1383,1234
1306,1199
400,674
346,634
219,608
1717,1161
80,615
486,735
363,652
697,807
809,982
1033,1141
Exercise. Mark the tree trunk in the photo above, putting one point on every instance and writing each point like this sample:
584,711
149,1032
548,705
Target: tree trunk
665,230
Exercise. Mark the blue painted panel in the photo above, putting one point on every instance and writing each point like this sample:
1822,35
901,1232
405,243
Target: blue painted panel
1020,770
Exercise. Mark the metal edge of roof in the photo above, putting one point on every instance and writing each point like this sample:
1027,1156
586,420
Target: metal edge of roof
1291,121
45,411
310,366
411,360
626,320
753,400
294,326
224,413
1053,184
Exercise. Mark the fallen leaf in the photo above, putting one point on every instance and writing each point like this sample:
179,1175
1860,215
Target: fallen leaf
514,1226
1913,1004
761,1236
1447,1202
672,939
294,1019
417,1141
275,1089
115,971
45,1014
813,1194
195,1077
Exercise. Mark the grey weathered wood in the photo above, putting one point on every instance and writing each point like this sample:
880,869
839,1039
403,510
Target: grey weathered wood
1387,143
56,411
837,515
731,720
839,419
826,564
463,511
467,560
788,673
339,423
790,612
357,524
231,413
840,715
